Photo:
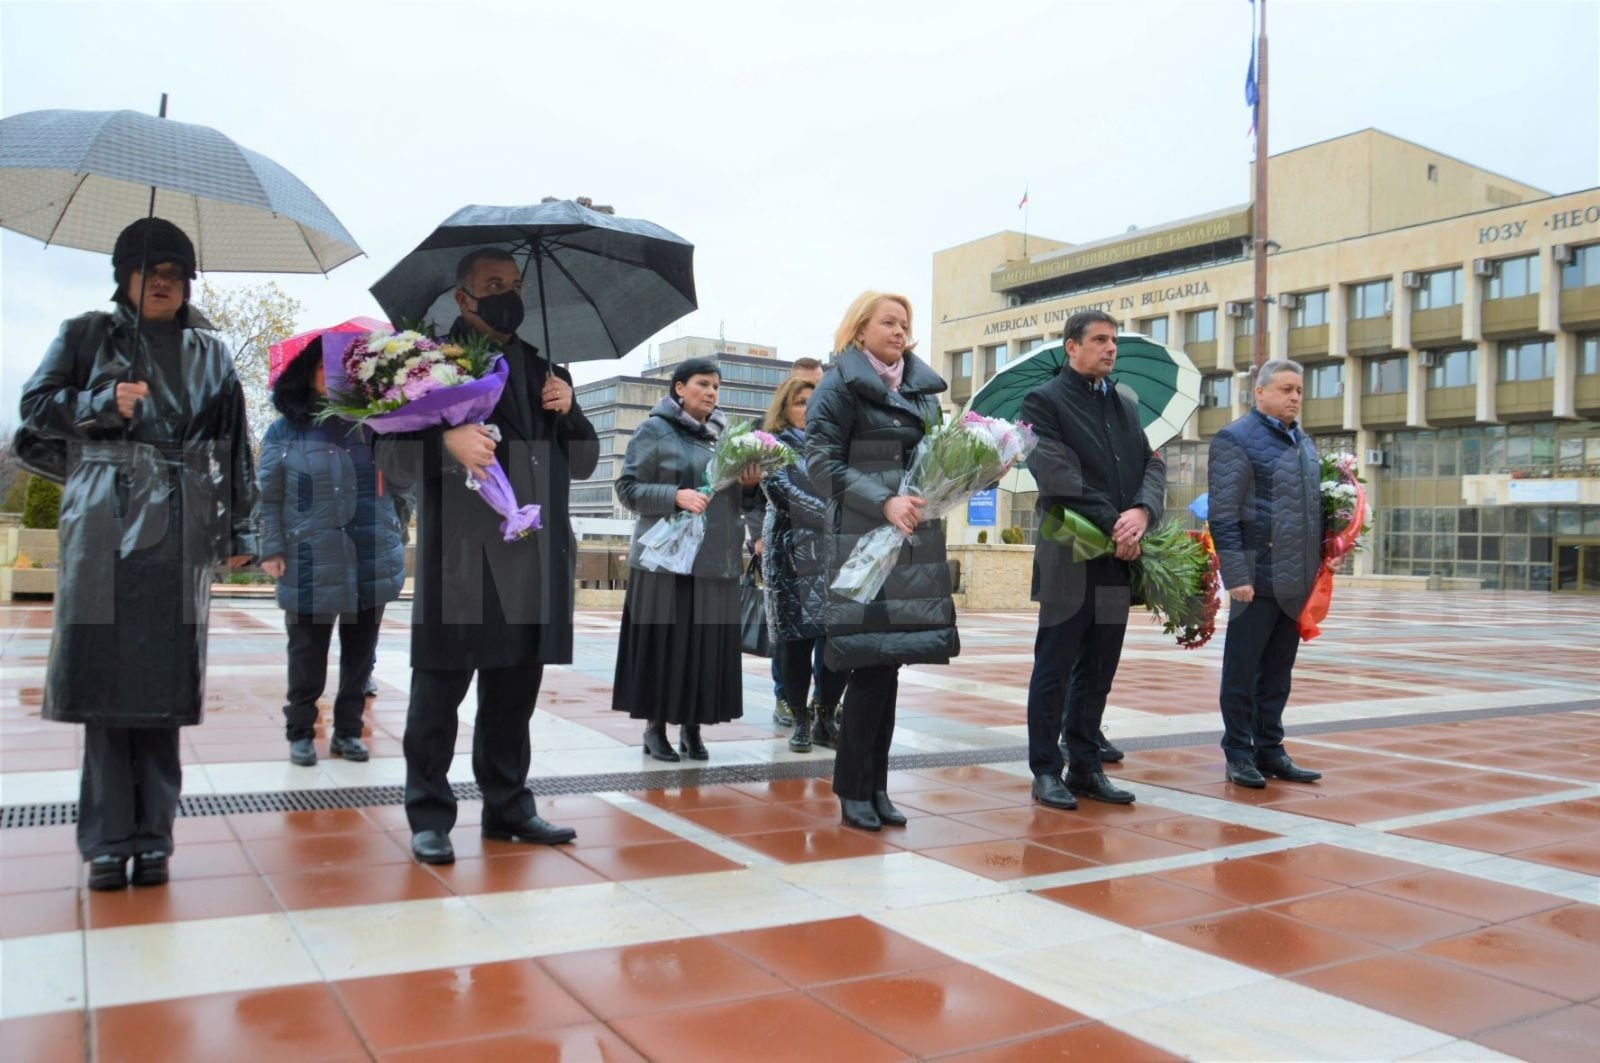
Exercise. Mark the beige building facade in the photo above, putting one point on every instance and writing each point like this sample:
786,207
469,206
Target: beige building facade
1448,319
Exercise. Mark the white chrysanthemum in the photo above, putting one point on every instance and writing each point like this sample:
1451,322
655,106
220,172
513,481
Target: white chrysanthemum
445,373
365,370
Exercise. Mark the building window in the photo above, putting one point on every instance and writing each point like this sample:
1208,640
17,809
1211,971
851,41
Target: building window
1029,346
1325,381
1369,300
1386,376
1514,277
1440,288
960,365
1216,390
1454,369
994,358
1311,310
1200,326
1527,360
1247,320
1433,172
1584,269
1155,328
603,421
1589,353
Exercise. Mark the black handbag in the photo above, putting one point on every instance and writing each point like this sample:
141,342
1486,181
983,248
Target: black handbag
753,636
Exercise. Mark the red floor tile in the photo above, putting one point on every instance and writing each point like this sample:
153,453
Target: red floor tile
1112,845
1386,921
1248,881
297,1022
1007,859
179,899
810,954
782,791
1266,941
659,976
628,862
1479,898
1580,854
1138,901
1344,866
944,1009
211,860
571,1043
786,1027
694,797
1437,995
323,852
340,887
952,800
1576,922
1025,822
1558,1037
749,819
1200,833
40,872
615,828
457,1003
1091,1041
1550,965
832,842
36,841
55,1038
933,832
45,912
299,824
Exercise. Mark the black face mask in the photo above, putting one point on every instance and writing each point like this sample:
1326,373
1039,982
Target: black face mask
502,312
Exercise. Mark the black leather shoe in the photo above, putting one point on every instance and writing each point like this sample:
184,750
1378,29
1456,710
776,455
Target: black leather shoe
348,748
535,830
888,815
433,847
108,872
302,752
149,869
689,742
1109,754
859,814
824,725
1050,790
1095,786
1281,767
1243,773
656,744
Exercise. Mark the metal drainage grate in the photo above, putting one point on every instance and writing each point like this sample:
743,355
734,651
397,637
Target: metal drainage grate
66,812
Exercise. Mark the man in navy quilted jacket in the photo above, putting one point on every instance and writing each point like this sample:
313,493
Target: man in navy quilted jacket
1266,520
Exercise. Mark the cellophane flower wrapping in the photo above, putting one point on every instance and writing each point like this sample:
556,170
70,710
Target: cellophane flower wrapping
672,544
1344,521
407,381
952,463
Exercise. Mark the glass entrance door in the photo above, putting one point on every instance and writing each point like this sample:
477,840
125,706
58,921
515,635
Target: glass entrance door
1577,567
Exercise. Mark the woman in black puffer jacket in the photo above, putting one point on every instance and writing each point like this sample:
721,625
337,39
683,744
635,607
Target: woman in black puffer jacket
863,425
334,544
795,570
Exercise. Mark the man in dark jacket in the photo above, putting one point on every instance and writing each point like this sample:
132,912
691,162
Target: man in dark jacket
502,610
1093,459
1266,520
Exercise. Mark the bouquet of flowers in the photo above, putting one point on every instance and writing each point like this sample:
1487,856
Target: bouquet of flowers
1344,521
1177,575
952,463
671,545
406,381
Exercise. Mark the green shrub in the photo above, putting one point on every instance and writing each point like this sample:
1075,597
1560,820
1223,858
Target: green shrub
41,503
1012,535
983,537
17,495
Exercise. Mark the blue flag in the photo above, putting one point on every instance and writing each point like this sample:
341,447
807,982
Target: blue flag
1251,96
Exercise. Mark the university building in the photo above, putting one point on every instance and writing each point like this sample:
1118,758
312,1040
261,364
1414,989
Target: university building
618,405
1448,319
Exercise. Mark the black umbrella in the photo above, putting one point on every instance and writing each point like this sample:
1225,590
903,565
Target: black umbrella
595,286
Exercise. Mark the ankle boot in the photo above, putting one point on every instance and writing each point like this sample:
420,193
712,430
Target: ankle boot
800,741
656,744
859,814
824,725
689,742
889,815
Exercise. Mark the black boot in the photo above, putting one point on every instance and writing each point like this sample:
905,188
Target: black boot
689,742
888,815
824,725
800,741
656,744
859,814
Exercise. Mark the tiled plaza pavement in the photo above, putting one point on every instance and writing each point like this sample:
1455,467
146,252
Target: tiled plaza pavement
1436,896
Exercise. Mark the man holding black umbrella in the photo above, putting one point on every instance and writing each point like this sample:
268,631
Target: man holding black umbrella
485,607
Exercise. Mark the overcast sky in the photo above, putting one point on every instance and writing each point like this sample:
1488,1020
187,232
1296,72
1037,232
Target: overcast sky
808,150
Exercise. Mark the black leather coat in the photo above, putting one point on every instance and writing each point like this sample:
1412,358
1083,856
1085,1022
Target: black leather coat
793,562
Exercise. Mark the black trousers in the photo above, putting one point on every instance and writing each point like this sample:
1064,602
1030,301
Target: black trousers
1079,641
501,748
861,761
128,796
309,637
794,660
1258,654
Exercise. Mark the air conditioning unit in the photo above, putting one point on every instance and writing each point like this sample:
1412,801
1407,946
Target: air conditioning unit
1242,379
1427,359
1483,267
1289,301
1234,309
1377,458
1411,280
1563,254
1013,301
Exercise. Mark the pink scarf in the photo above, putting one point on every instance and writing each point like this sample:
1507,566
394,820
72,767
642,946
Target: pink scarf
890,374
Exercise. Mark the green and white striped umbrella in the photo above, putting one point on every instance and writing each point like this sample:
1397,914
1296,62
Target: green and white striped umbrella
1164,383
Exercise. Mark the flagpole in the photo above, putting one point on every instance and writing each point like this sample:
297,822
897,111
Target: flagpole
1260,226
1025,219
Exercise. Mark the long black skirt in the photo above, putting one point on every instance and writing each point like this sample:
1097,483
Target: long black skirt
678,657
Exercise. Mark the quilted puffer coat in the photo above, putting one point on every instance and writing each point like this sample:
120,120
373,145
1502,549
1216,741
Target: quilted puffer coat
1265,507
342,547
792,560
860,438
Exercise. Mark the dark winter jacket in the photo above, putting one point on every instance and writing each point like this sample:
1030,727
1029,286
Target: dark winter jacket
148,507
860,439
340,540
669,452
793,564
482,602
1092,458
1265,507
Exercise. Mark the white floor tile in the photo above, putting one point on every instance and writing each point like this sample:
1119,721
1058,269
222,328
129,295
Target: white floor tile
41,973
898,880
726,901
572,918
159,961
404,936
992,926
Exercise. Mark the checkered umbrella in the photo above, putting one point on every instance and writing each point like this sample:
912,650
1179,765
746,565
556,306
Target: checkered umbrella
78,178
